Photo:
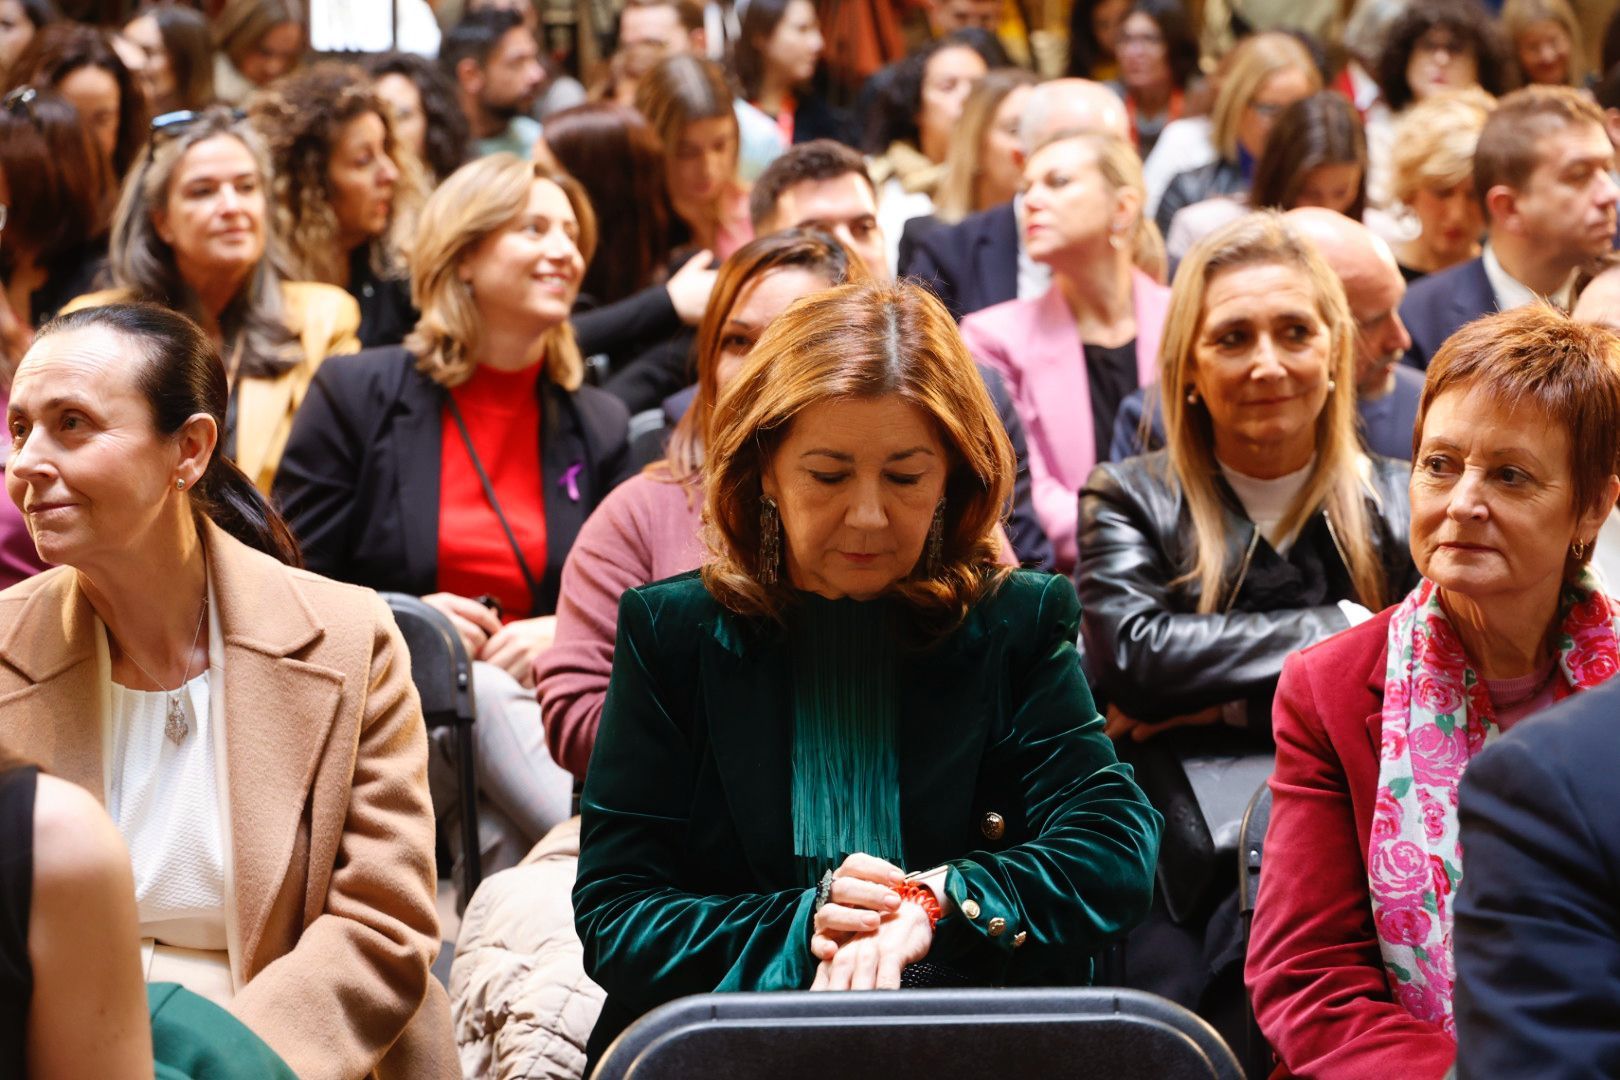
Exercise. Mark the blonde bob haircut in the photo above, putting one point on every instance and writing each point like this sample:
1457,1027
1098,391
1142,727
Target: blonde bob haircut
478,199
1435,140
1255,60
1338,483
1121,170
861,340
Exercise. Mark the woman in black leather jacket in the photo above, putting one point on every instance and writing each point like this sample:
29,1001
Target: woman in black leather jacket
1262,527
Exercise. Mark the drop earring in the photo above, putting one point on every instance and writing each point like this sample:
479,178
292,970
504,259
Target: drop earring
935,551
770,541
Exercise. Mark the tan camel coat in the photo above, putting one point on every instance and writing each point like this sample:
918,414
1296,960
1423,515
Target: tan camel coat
331,922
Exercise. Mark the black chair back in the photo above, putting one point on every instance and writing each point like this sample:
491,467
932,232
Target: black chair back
939,1034
647,434
1257,1053
442,673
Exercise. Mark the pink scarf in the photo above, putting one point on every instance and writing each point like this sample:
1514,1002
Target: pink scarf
1437,716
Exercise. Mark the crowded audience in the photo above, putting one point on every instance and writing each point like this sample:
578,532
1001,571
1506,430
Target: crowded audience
898,476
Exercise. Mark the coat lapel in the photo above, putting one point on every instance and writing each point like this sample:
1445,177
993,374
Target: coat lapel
55,717
261,406
569,482
417,441
288,704
747,680
1056,374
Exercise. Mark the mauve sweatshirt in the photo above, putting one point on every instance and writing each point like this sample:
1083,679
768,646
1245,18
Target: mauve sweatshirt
646,530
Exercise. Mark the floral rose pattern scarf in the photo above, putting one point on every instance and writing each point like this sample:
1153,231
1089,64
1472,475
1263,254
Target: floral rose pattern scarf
1436,717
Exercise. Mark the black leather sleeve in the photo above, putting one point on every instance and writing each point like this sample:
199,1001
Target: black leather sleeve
610,328
1154,658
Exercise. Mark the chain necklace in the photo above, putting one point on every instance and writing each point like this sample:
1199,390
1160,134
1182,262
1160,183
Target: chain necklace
176,728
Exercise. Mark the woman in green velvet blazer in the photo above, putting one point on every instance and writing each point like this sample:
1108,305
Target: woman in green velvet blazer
852,688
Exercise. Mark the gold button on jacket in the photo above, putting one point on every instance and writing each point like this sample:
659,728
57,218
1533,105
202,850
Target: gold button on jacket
994,826
970,908
997,925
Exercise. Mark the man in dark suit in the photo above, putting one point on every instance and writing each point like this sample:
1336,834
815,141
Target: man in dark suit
980,260
1542,171
1537,934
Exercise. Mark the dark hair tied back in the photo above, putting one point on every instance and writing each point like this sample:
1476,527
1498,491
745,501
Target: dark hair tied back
181,376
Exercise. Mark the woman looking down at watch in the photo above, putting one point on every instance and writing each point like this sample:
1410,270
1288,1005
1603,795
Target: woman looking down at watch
852,687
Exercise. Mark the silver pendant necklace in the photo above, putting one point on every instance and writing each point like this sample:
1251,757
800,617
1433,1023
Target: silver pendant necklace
176,727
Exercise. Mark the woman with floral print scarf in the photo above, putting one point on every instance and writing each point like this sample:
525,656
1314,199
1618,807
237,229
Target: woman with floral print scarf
1514,466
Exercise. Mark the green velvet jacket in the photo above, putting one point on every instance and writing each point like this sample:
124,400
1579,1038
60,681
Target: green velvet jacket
687,880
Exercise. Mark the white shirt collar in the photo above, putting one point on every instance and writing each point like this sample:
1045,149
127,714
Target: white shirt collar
1512,293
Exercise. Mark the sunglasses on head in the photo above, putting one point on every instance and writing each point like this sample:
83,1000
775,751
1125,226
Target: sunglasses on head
20,102
171,124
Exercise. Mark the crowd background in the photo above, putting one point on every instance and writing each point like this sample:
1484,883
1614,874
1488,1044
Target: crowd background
1261,320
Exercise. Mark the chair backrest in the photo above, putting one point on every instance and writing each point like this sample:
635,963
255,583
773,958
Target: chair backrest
1255,820
647,433
439,665
939,1034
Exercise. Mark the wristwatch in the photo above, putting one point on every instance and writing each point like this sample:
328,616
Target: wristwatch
934,881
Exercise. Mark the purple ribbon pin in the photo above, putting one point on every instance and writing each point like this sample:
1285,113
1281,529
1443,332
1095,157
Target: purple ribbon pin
570,480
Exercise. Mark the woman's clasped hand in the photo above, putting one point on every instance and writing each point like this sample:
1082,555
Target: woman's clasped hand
865,934
513,647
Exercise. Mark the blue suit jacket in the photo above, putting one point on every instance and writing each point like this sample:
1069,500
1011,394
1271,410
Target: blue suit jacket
1437,305
1537,935
972,264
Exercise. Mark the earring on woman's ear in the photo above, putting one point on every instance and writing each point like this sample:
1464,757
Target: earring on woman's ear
1116,239
770,541
179,484
1332,386
1192,397
1578,549
935,551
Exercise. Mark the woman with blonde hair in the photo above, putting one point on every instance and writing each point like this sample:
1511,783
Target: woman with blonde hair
256,42
982,163
1070,356
1261,502
1433,170
460,465
688,102
1266,74
1546,41
192,232
850,689
1260,529
346,193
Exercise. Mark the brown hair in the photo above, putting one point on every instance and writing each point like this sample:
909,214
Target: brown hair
1336,484
806,249
818,159
241,24
473,202
189,43
616,155
1323,129
62,186
1566,372
62,48
1509,143
865,340
302,117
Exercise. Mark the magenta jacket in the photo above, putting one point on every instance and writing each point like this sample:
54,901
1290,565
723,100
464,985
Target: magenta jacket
1035,346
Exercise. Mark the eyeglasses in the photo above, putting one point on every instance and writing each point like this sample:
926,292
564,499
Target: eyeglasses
171,124
1451,46
1145,41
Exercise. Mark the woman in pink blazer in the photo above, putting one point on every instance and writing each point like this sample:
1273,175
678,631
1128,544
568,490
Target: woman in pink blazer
1069,357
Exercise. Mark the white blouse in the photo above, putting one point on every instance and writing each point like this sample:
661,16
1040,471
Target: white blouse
1267,501
171,805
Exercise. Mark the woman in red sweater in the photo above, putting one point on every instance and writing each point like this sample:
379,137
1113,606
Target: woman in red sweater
460,466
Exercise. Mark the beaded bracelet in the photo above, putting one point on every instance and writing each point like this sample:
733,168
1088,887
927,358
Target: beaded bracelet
924,898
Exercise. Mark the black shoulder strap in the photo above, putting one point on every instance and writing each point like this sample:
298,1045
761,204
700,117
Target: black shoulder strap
495,504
